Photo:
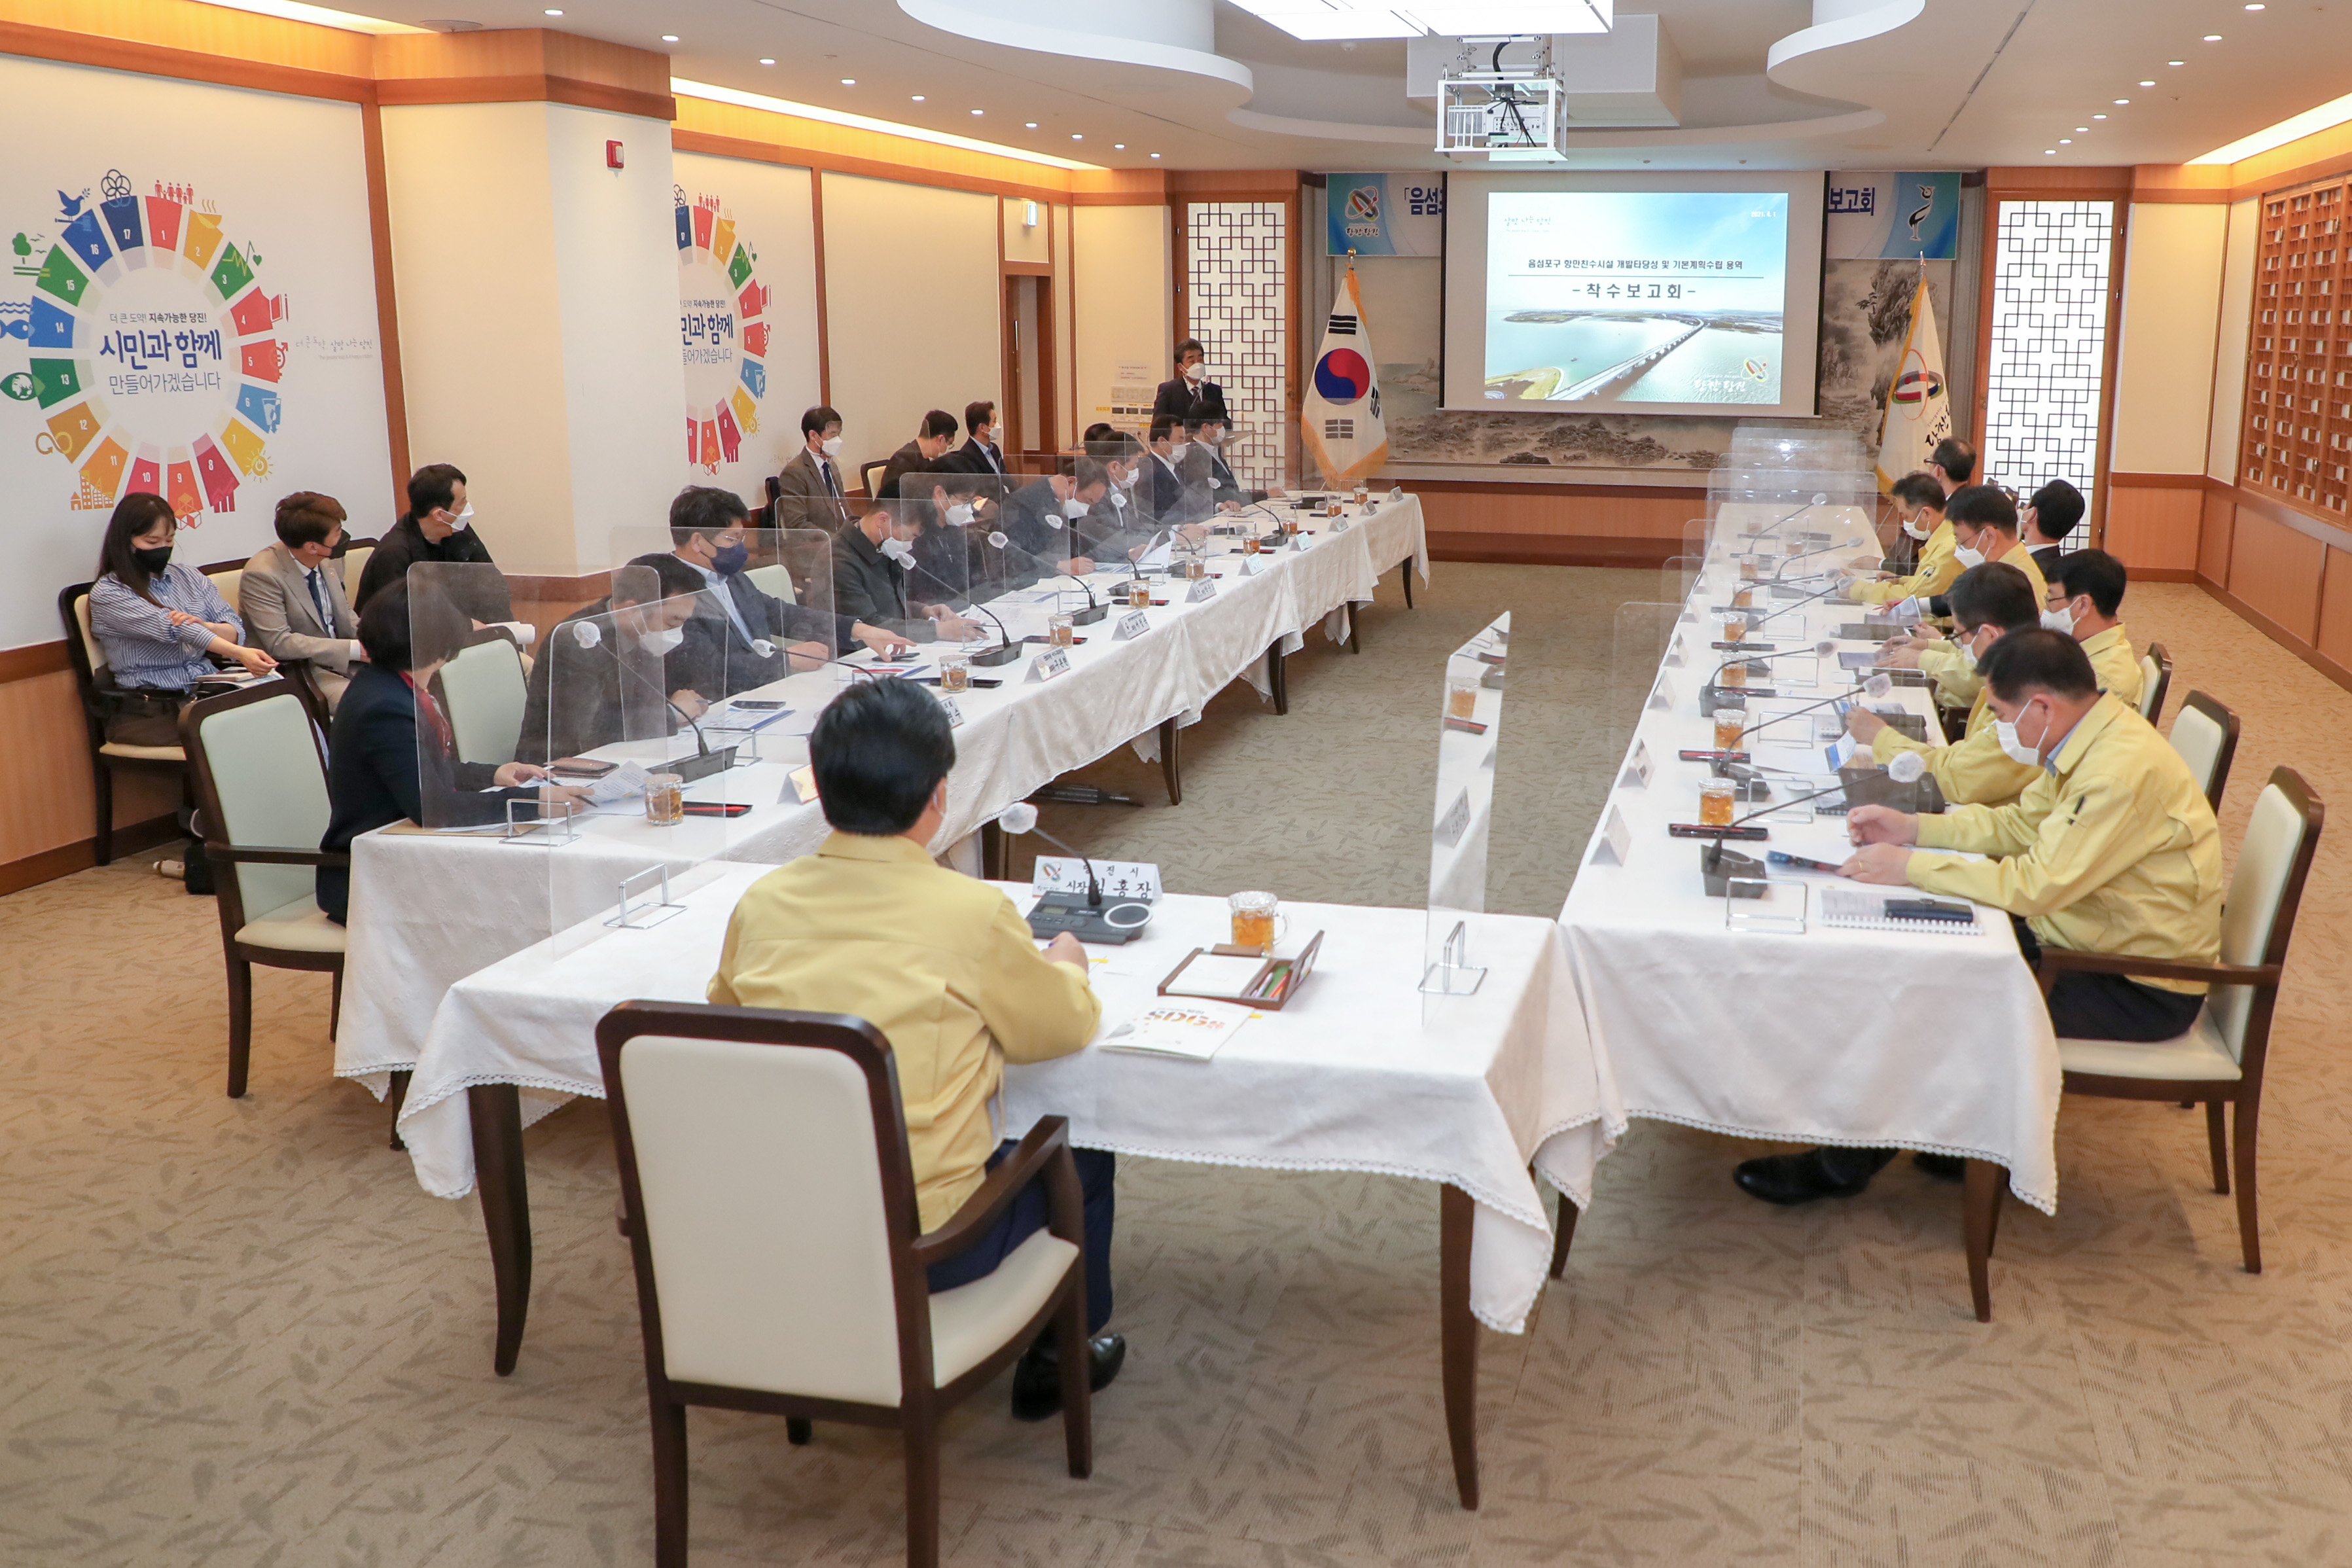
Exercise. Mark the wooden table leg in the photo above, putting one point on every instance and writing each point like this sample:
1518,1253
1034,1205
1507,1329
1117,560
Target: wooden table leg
1355,637
1980,1196
1406,572
397,1094
1171,767
497,1111
1563,1232
1459,1332
992,855
1276,679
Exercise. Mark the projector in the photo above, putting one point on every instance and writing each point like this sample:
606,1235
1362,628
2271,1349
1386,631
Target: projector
1505,112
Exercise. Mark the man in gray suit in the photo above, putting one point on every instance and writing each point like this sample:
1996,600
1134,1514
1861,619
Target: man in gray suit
810,491
293,601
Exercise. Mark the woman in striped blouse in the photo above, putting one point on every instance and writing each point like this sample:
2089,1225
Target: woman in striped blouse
160,625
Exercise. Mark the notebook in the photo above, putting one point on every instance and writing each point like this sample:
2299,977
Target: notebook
1852,910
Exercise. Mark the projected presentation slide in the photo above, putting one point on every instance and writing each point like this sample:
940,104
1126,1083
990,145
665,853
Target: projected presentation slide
1601,299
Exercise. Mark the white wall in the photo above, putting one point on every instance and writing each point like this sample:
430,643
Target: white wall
2164,356
769,206
287,179
1125,304
913,297
2230,351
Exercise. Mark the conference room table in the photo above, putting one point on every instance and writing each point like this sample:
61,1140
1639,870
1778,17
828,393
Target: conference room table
1756,1018
1358,1072
428,908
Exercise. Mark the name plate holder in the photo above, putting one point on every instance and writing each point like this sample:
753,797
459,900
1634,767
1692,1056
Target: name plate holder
1640,769
642,916
537,831
1453,974
1046,665
1201,590
954,713
1132,625
1616,846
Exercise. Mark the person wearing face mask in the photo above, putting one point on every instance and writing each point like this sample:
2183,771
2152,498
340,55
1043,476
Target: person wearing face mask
873,571
438,526
1042,516
2044,522
1190,394
1163,492
1115,530
293,598
1988,602
2111,849
981,453
2085,595
933,437
1918,500
582,695
809,492
1983,521
378,772
722,644
1208,470
162,624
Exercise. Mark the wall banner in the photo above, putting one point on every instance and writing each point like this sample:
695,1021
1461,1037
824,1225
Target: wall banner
1385,215
1875,216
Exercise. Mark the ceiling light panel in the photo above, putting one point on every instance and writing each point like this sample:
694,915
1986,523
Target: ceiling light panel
1316,20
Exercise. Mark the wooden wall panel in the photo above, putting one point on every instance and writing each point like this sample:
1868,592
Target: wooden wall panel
2276,572
2336,607
45,773
1555,524
2221,512
2154,530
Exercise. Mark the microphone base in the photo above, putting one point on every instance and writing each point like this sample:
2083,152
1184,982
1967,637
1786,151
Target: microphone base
1090,616
700,766
1089,924
1719,867
996,655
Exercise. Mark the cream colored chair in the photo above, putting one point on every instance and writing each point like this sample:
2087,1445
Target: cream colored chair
484,689
769,1205
2205,733
2154,680
2222,1058
227,578
261,785
88,658
353,561
776,582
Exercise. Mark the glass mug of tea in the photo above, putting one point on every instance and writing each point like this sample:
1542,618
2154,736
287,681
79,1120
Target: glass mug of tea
955,672
1732,674
1461,699
1728,723
1744,597
1735,627
1714,802
665,800
1258,921
1250,544
1061,630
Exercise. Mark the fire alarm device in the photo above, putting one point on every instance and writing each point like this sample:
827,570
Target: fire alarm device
613,159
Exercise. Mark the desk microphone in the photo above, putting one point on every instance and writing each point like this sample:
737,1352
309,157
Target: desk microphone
1802,555
1876,686
1799,605
1095,609
1819,499
1021,817
1821,649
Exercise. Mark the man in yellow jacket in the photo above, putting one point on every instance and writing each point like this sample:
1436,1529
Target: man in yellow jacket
945,967
1984,528
1919,505
2085,592
1988,602
2113,849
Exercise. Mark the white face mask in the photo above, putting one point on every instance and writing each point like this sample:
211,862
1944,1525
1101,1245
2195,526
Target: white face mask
1176,449
1196,374
960,515
1917,527
661,642
2061,621
463,520
830,447
1968,556
2016,750
1967,651
898,550
1073,509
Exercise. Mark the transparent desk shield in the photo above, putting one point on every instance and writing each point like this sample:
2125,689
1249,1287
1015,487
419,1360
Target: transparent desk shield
1655,656
768,613
470,681
1470,729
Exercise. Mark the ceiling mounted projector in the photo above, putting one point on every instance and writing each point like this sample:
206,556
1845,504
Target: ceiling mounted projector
1322,19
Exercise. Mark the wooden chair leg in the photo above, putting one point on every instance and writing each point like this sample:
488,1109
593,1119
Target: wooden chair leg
395,1096
2218,1141
799,1430
1979,1221
1355,637
923,1434
102,776
670,1484
1405,571
335,1003
1563,1232
1077,1375
2250,1232
1171,766
240,1024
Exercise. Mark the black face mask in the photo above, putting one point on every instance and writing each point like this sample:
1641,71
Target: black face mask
153,561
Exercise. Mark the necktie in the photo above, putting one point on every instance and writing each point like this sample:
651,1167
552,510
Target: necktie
318,602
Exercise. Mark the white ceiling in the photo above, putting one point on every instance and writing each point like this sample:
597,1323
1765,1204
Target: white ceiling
1962,84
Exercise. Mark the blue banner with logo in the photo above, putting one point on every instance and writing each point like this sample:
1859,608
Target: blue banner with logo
1909,214
1385,215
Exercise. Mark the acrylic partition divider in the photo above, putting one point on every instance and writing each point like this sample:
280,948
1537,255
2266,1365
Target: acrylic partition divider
1470,730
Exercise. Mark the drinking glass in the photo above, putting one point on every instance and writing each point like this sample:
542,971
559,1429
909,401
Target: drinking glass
1258,921
1715,803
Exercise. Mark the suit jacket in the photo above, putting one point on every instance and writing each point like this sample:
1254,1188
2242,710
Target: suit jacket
715,660
275,602
804,500
1033,520
906,459
484,595
1206,467
376,776
1180,399
872,587
1110,532
972,458
581,697
1165,497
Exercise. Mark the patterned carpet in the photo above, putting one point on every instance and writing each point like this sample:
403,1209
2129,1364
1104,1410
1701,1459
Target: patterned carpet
236,1334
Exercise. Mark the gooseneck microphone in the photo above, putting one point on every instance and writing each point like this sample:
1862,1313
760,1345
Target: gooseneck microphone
1876,686
1021,817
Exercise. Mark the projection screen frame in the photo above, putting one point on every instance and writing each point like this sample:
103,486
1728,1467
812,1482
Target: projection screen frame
1463,309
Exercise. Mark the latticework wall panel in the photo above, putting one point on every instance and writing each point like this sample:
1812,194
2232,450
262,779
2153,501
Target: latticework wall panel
1236,265
2045,371
2295,439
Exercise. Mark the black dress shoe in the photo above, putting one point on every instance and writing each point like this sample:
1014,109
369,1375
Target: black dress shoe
1815,1173
1943,1167
1037,1378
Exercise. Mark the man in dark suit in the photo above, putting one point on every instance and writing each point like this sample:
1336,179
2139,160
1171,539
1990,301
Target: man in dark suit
604,674
872,562
1190,394
743,637
1041,516
809,492
983,451
377,774
932,441
1116,528
2044,522
1163,493
1207,469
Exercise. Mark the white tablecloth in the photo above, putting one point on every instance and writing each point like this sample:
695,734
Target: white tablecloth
427,910
1346,1077
1846,1037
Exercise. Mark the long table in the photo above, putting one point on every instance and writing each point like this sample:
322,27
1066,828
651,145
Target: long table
427,909
1478,1095
1827,1034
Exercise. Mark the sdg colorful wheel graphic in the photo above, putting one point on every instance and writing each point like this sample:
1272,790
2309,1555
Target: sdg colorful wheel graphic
719,308
153,348
1342,376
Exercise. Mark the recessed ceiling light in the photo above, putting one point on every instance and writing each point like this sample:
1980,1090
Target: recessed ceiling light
2176,62
1030,123
2212,38
2250,8
980,111
1155,154
766,61
1077,135
553,12
2082,128
2050,152
2098,117
2147,84
2121,101
919,98
849,82
1118,146
669,38
2066,141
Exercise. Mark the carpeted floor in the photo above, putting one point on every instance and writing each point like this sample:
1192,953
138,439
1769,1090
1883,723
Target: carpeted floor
236,1334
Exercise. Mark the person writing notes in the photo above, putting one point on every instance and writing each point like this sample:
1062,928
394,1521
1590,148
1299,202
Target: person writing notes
2111,849
1919,505
870,925
1988,602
